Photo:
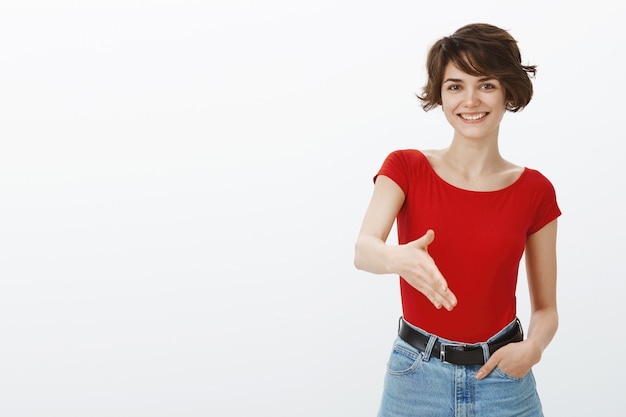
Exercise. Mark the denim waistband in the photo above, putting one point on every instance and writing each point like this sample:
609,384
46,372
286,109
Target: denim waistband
484,345
454,342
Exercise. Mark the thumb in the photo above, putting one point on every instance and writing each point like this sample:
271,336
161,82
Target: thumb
486,369
425,240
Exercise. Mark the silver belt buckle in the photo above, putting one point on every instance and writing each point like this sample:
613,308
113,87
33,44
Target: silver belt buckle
442,352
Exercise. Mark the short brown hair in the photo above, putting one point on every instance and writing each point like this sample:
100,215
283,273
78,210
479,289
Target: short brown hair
480,49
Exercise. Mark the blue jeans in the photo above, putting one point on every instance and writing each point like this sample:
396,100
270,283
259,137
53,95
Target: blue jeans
417,384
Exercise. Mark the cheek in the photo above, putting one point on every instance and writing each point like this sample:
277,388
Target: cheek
445,101
449,103
450,117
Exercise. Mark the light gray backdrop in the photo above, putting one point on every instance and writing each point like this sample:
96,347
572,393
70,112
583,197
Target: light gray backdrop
182,183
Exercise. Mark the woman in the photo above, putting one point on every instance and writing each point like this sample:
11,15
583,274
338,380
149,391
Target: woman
465,216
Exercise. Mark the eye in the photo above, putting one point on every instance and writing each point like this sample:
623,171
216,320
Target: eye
487,86
454,87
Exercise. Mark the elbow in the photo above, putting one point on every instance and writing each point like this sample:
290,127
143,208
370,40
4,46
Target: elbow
370,255
358,257
556,319
361,254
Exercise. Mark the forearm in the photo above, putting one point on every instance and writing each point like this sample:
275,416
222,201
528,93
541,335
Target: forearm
542,328
371,254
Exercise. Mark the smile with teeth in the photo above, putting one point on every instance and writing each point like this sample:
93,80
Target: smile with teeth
472,116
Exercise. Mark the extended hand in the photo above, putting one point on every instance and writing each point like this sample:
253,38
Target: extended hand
419,269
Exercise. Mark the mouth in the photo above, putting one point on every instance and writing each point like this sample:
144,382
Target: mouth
472,117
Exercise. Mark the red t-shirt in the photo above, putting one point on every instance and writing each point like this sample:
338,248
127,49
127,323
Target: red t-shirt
480,237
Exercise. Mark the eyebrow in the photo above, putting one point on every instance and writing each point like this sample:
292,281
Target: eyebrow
457,80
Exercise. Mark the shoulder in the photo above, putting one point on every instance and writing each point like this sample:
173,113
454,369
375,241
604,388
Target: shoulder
403,166
538,188
405,159
536,178
409,158
407,154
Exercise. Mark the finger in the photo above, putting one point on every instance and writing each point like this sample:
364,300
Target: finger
450,299
486,369
425,240
447,300
441,295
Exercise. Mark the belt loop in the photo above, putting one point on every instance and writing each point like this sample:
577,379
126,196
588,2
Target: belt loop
486,354
429,347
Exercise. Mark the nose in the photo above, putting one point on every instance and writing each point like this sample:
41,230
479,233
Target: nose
471,98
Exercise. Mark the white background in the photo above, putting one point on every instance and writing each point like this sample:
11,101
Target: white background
182,183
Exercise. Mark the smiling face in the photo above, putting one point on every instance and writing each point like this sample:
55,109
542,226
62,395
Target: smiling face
473,105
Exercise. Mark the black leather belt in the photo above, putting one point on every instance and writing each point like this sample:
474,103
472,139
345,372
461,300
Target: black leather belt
458,354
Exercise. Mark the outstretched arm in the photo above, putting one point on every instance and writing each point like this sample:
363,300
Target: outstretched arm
411,260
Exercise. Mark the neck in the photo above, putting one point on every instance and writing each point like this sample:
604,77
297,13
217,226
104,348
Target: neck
473,159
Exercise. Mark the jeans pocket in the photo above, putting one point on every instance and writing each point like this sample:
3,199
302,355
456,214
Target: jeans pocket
403,361
498,371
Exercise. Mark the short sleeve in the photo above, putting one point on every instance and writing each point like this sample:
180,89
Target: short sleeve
395,167
546,206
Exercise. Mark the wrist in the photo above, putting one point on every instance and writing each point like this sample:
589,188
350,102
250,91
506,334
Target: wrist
534,350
